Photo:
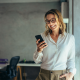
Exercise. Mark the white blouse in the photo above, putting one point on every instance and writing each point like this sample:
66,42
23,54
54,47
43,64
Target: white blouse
57,56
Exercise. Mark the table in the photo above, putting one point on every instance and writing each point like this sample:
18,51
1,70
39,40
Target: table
3,65
19,65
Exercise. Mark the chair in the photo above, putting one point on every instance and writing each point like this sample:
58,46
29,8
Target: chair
10,70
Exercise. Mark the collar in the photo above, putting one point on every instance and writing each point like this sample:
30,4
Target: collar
60,34
65,33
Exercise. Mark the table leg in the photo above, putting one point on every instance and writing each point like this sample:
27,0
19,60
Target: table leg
24,72
19,67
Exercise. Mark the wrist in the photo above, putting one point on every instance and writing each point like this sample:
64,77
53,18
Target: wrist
71,74
39,50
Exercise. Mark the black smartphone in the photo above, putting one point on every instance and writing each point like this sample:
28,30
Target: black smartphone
39,37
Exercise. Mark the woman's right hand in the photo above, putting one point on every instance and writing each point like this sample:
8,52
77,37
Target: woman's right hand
41,45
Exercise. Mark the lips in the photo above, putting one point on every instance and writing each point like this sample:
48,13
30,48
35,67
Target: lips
53,26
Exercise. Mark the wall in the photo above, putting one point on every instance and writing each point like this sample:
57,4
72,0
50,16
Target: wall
19,23
24,1
76,30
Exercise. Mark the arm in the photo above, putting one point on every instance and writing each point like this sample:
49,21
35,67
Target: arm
37,56
71,60
71,57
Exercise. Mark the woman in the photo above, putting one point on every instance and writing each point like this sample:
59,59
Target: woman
58,51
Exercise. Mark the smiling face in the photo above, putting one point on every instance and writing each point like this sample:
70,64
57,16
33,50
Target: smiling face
52,22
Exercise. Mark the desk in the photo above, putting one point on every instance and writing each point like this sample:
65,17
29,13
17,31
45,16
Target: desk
19,65
3,65
29,64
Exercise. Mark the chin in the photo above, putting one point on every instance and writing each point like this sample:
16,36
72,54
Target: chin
55,29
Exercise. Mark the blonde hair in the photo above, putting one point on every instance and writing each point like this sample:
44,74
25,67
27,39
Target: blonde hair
59,18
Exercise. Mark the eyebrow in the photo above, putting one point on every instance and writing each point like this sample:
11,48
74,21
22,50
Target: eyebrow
50,19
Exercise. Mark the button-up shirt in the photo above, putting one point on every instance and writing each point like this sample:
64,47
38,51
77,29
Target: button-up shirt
59,55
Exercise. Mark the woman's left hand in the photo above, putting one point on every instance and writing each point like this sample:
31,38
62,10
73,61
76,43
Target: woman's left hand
68,76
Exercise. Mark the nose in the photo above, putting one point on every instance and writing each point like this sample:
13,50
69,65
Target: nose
50,23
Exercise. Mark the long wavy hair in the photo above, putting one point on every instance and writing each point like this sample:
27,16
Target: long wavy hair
59,18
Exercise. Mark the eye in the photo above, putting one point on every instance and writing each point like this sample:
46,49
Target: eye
53,20
47,21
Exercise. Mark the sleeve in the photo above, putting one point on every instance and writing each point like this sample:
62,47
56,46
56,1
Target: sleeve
71,56
37,57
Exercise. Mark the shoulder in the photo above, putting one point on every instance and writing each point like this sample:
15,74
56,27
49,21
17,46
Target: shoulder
70,36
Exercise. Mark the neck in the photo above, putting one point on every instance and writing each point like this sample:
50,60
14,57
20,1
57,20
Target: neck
55,33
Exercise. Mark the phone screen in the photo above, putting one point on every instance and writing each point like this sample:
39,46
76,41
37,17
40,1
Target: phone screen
39,37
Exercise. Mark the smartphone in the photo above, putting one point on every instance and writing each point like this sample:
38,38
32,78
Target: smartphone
39,37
